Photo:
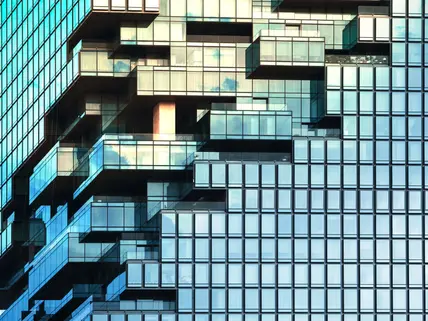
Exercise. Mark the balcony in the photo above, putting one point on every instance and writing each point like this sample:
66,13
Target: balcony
284,4
104,18
17,309
281,55
14,254
116,159
369,32
222,128
89,60
84,249
10,291
106,221
131,44
90,309
56,310
12,239
53,176
86,118
65,262
212,169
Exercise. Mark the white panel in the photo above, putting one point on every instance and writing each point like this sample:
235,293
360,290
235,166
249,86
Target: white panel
118,5
100,4
135,5
152,5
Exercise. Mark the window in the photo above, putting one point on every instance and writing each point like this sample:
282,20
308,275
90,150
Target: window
251,175
235,174
185,301
268,175
201,174
135,274
218,175
235,199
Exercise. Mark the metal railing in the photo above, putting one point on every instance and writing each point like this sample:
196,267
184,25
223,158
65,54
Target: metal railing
152,137
287,33
363,59
244,156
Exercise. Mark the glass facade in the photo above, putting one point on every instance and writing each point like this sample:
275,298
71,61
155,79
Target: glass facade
213,160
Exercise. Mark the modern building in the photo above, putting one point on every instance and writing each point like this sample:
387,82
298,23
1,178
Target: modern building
213,160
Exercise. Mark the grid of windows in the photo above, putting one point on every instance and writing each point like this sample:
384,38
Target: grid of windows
333,229
300,263
34,73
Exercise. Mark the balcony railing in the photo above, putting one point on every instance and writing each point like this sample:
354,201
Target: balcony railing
49,266
97,220
247,125
21,232
317,3
110,14
61,161
138,152
14,312
98,63
225,156
287,33
280,57
180,205
77,295
6,238
64,247
140,305
370,31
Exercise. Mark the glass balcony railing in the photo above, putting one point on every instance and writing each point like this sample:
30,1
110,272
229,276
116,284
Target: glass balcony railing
220,156
94,59
153,80
121,309
287,33
78,294
64,240
161,33
366,28
96,216
338,3
67,249
98,63
136,305
138,152
21,231
280,53
179,205
248,125
6,238
83,312
14,312
295,51
57,224
305,131
116,287
61,161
